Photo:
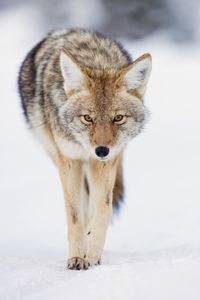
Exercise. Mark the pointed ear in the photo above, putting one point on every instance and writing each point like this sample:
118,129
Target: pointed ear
71,72
137,74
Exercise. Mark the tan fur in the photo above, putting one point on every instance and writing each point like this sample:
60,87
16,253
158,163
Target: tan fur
64,78
103,134
102,179
71,174
118,187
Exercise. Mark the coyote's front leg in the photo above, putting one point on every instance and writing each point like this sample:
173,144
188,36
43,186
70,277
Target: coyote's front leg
101,180
71,173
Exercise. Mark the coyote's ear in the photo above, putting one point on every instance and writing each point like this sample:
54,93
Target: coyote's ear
137,74
71,72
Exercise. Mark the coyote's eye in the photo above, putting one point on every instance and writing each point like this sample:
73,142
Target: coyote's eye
119,119
86,119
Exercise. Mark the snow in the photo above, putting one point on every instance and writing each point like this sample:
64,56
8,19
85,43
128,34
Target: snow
153,247
169,274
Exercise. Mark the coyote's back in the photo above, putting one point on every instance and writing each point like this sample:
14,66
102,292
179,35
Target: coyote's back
82,96
42,65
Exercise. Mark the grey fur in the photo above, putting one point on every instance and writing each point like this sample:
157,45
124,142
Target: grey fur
44,100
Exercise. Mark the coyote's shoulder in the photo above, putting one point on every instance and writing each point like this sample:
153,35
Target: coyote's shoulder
91,49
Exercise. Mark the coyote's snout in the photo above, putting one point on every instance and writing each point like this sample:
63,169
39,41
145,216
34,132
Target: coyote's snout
82,96
103,140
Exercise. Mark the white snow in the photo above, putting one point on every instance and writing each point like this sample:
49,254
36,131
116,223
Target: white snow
153,249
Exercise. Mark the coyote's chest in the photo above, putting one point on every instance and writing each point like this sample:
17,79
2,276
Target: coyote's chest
68,148
72,149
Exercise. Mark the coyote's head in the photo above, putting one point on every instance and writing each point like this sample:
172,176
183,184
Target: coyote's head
104,107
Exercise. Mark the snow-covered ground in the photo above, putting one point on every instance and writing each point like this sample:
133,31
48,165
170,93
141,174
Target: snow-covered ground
153,248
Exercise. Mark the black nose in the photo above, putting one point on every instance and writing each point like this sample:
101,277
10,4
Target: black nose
102,151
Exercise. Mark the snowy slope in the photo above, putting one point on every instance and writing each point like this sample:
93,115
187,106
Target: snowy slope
153,249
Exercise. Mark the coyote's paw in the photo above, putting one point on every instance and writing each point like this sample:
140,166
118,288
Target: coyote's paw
94,256
77,263
93,261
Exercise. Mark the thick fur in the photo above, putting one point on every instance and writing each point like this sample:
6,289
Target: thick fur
67,75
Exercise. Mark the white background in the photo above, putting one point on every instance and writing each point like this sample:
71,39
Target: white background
153,247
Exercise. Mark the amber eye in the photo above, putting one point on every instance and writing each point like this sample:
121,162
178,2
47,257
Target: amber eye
86,119
119,119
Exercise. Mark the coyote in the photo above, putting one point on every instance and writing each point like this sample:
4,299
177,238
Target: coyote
82,96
